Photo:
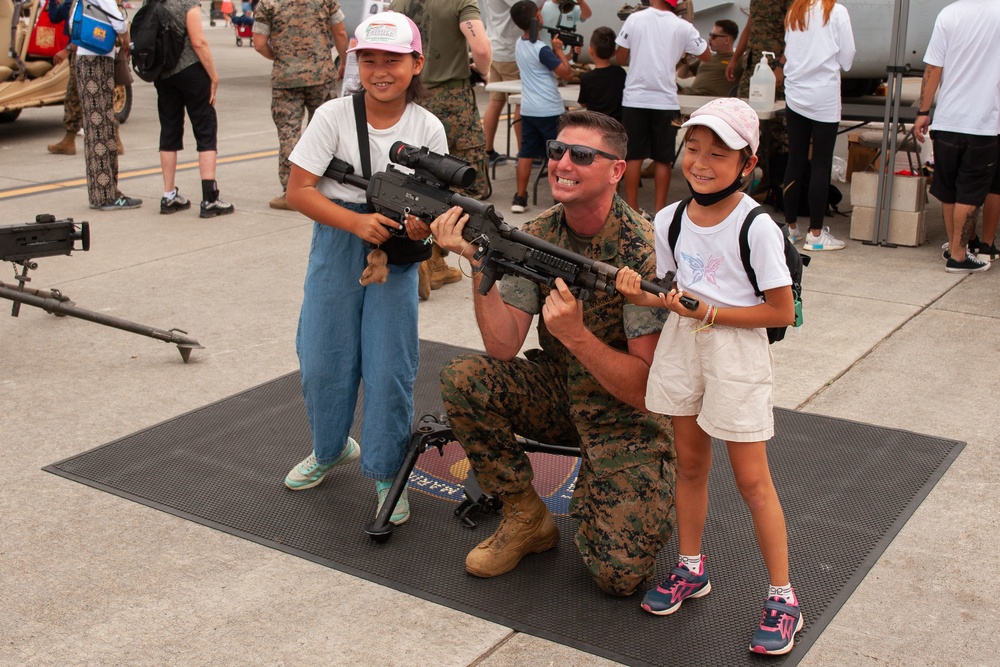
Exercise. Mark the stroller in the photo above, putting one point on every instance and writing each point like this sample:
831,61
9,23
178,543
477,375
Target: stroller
244,28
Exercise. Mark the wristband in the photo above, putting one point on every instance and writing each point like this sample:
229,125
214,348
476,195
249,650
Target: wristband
924,113
779,65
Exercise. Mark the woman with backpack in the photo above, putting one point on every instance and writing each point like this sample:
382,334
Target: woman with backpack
95,80
190,85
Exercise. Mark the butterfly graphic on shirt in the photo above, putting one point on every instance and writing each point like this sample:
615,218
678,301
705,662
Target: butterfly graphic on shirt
703,269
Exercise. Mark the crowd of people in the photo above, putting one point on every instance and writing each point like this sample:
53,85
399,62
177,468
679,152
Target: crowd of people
641,383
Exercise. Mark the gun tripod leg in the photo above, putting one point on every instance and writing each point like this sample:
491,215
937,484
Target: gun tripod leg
426,435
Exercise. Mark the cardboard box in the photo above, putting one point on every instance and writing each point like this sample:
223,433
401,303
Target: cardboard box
905,227
909,193
858,156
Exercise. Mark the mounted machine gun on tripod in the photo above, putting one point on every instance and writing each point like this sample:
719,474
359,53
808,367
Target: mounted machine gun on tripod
47,237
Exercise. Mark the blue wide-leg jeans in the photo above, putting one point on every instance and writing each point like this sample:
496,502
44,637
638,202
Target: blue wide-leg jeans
349,333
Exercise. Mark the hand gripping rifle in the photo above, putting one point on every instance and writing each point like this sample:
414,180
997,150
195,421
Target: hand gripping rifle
47,237
501,249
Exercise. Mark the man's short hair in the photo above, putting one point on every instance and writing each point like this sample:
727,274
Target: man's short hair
602,41
522,12
729,27
611,131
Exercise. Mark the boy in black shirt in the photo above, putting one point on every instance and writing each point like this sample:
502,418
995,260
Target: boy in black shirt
601,88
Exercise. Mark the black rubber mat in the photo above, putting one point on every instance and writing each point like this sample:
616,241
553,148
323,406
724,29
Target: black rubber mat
847,489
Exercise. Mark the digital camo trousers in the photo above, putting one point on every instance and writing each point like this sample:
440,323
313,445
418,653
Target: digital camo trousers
456,108
288,109
623,517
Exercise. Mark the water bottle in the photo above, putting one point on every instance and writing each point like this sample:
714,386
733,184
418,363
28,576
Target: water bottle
762,84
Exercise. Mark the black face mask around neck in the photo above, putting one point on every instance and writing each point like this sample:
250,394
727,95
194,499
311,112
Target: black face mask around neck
712,198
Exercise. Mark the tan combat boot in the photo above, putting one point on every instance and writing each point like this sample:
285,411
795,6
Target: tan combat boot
65,147
280,203
424,281
527,528
118,141
441,273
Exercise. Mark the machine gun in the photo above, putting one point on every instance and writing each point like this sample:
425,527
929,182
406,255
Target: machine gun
501,249
48,237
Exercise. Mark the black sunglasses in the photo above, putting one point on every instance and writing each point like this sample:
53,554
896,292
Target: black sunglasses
712,34
581,155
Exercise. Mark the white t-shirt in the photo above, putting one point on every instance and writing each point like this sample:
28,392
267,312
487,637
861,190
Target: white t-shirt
710,267
500,28
964,45
814,58
332,132
656,40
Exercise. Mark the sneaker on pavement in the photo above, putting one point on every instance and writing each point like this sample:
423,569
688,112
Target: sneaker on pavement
987,253
122,203
825,241
970,265
794,235
778,624
520,204
174,204
210,209
944,250
311,472
402,510
682,584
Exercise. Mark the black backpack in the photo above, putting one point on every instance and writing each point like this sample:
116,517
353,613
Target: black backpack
793,260
157,41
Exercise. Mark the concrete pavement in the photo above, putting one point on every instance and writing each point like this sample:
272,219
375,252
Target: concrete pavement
87,578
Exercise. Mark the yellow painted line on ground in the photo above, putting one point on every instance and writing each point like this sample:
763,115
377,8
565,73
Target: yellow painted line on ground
135,173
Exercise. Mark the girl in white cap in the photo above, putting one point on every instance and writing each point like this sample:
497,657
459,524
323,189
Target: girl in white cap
712,368
349,332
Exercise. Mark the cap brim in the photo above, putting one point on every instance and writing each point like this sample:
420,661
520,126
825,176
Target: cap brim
721,128
391,48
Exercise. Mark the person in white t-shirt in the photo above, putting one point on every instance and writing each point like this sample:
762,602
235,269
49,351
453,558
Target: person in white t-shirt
651,43
711,371
963,60
351,332
819,43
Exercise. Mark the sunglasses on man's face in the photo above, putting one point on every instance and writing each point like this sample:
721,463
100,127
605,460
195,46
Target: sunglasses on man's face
580,155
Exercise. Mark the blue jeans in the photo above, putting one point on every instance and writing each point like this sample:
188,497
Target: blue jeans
349,333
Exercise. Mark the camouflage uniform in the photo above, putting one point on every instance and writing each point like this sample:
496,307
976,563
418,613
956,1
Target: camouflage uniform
452,100
303,72
72,110
623,499
766,34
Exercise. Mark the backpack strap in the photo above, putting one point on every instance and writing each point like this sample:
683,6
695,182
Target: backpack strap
361,119
674,231
745,247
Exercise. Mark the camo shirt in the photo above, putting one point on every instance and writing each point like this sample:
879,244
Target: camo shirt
301,37
627,437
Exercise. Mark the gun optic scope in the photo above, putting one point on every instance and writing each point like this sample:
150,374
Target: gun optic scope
447,169
566,6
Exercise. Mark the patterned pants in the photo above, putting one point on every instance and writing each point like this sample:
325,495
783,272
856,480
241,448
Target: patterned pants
288,109
72,114
95,76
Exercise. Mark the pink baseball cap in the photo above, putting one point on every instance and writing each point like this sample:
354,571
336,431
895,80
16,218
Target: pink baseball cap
388,31
732,119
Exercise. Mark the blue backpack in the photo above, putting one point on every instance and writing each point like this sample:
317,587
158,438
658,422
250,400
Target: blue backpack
90,27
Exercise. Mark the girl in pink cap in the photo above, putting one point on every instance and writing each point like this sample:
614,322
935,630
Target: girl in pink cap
351,333
712,368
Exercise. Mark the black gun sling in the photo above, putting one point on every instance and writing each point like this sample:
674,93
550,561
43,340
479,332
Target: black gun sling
398,249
